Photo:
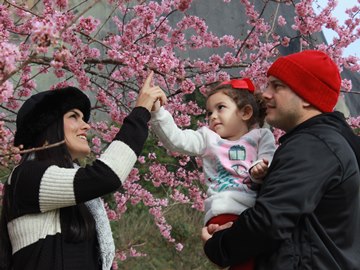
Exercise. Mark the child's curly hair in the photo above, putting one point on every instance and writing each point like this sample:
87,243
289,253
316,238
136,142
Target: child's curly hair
243,97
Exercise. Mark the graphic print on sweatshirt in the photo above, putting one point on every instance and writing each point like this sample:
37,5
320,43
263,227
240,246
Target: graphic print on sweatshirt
232,164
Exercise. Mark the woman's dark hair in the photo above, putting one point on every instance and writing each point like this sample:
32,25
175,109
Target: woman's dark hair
243,97
79,224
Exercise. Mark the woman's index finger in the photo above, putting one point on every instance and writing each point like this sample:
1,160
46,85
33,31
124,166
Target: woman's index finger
148,79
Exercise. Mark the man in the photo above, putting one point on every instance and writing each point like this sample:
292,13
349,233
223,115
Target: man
307,214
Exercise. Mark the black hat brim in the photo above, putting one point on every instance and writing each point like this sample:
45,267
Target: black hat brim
42,109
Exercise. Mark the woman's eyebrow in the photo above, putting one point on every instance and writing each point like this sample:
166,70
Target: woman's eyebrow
77,113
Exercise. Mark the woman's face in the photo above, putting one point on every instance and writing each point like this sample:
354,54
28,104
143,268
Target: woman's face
75,129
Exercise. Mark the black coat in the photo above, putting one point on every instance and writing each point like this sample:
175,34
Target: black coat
307,215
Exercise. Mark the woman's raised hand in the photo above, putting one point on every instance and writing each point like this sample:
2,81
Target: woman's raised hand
149,94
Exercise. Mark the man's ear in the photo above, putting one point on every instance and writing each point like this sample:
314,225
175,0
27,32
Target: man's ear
305,104
247,112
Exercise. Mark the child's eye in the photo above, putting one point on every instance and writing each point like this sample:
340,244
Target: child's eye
221,107
208,114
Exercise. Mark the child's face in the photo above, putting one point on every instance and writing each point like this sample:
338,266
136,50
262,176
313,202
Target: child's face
225,118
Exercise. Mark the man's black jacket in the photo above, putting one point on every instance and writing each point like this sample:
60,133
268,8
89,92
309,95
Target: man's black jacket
307,215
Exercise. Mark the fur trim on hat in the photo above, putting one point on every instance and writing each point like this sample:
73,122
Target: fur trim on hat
42,109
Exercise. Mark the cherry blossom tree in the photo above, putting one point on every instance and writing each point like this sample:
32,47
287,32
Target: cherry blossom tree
57,43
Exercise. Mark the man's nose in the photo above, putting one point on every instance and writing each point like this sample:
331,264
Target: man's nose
266,94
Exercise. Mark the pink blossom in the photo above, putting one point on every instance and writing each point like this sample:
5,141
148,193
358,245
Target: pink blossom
223,76
61,3
228,40
184,5
121,256
285,41
9,56
182,120
179,197
179,247
87,25
44,35
187,86
6,91
346,84
141,159
114,265
109,59
281,21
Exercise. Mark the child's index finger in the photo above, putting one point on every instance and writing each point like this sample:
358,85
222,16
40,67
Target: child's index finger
148,79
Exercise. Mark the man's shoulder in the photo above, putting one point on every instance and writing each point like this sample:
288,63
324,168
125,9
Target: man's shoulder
327,125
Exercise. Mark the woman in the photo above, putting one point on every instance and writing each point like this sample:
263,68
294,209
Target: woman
52,217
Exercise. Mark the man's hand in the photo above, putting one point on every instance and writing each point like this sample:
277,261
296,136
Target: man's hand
208,231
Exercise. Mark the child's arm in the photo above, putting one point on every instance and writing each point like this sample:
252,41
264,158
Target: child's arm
187,141
266,149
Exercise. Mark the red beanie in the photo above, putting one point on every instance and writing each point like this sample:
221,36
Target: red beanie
312,75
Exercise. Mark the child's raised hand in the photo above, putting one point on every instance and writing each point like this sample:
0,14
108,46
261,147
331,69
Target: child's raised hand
156,106
149,94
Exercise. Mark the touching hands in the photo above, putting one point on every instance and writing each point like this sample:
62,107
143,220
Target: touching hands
150,95
259,170
156,106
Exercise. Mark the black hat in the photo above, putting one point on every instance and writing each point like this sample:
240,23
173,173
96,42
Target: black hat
42,109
